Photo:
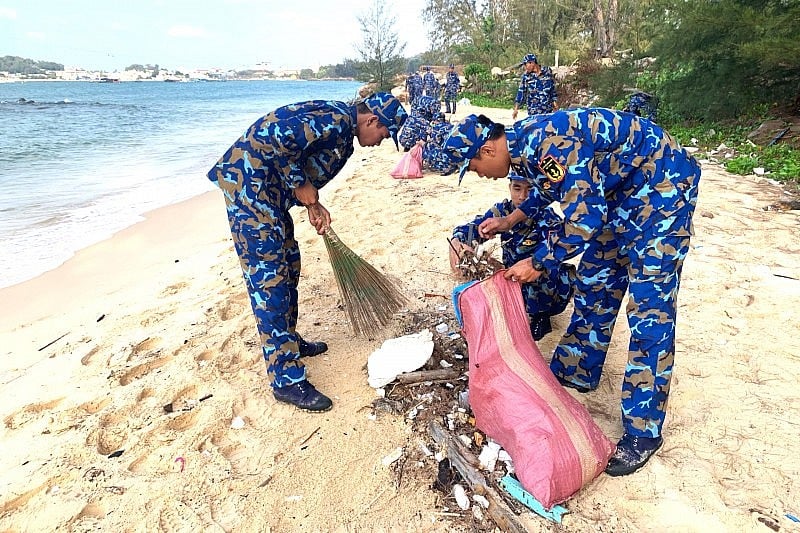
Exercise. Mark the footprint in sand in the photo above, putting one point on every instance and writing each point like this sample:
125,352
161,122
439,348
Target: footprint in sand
87,359
204,358
174,289
112,433
150,344
185,399
238,352
185,408
129,376
148,348
22,500
158,460
94,406
225,514
231,309
177,517
88,519
30,412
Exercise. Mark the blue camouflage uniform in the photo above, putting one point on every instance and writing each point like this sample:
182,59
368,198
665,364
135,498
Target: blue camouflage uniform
424,111
414,87
537,92
258,174
433,156
550,293
427,107
430,85
451,86
642,105
628,191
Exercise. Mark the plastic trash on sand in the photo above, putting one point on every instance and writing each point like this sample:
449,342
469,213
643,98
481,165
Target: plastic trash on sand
398,355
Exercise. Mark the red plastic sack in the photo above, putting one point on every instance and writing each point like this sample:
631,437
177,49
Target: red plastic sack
556,446
410,165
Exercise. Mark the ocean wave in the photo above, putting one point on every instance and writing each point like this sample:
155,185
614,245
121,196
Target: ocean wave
28,102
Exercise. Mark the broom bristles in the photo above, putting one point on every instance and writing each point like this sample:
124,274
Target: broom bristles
369,297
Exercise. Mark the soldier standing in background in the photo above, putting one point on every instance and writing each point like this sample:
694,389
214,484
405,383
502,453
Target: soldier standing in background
451,87
537,89
430,85
413,87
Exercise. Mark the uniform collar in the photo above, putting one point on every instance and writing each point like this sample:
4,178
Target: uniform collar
514,149
354,116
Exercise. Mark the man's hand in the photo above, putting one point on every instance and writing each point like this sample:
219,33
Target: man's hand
514,114
523,272
492,226
307,194
457,248
319,217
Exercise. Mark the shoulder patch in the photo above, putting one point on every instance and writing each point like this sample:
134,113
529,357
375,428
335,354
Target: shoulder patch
552,169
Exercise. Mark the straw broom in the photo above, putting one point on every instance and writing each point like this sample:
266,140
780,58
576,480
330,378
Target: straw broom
369,297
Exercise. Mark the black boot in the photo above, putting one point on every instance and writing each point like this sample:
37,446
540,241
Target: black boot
310,349
631,454
303,395
540,326
571,385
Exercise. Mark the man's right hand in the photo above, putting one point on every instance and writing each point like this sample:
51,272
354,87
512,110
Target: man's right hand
492,226
319,217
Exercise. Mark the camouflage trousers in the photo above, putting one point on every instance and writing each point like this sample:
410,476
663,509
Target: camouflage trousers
648,267
548,296
270,259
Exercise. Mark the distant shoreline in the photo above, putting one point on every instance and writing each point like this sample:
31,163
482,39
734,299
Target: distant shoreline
187,80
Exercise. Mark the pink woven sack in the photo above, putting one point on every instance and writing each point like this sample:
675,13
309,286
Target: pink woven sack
410,165
556,446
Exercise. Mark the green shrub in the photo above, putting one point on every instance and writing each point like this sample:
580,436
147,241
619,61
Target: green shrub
742,164
483,100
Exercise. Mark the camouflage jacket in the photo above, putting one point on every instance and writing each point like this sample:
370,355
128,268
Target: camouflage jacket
537,93
451,86
604,168
281,150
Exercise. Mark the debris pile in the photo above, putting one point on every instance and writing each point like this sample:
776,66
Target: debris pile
435,401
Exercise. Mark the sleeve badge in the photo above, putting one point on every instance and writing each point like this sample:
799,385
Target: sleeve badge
552,169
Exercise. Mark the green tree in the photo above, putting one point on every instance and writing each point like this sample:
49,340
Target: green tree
721,58
380,49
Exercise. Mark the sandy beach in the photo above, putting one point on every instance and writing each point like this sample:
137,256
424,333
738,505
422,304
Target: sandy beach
158,314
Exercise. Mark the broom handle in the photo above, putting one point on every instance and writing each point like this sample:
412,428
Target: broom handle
331,234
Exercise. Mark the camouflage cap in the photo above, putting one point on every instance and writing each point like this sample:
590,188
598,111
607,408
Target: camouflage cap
389,110
530,58
518,177
464,141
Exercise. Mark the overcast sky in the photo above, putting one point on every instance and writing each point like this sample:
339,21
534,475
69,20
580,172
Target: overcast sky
189,34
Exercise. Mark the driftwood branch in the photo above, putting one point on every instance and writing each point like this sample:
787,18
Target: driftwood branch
428,375
52,342
468,466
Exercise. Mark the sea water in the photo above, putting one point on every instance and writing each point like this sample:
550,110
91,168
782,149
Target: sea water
80,161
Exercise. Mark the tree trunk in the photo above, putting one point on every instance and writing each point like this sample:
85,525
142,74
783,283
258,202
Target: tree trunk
605,24
611,26
601,46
